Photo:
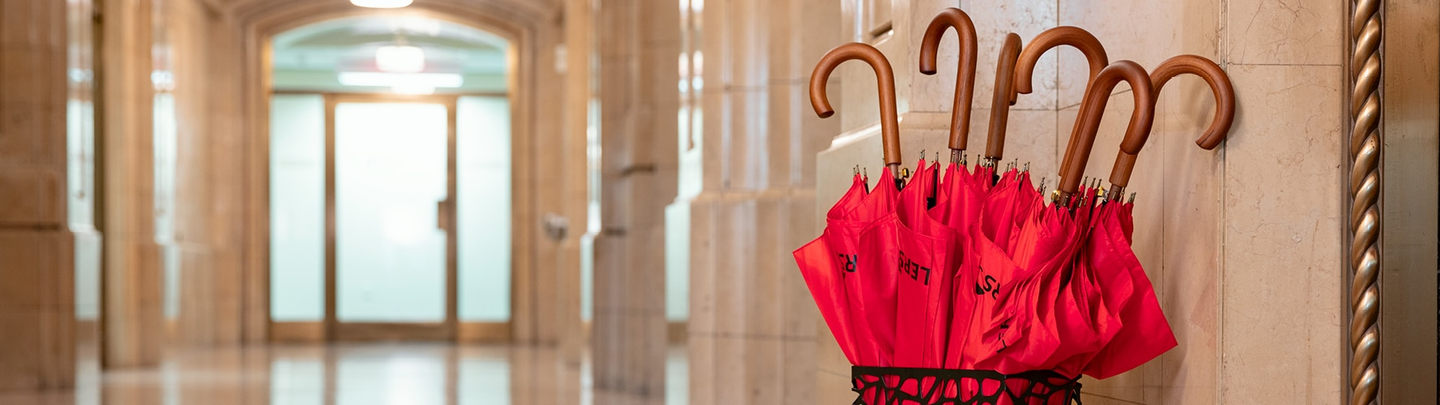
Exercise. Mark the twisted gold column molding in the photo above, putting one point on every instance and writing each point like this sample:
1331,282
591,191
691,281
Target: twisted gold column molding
1365,36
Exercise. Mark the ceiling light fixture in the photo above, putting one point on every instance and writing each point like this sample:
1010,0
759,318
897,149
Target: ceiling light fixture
415,90
400,59
405,80
381,3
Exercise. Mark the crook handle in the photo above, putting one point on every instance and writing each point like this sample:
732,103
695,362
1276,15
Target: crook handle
1004,97
965,77
1082,137
1054,37
1051,38
1219,128
889,121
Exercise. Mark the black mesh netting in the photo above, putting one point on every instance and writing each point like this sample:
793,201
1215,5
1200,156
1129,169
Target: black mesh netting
923,386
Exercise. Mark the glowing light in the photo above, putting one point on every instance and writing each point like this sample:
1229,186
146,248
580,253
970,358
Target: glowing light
381,3
400,59
405,80
413,90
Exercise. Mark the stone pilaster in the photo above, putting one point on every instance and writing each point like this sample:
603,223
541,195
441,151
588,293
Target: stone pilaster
637,46
132,321
37,314
752,323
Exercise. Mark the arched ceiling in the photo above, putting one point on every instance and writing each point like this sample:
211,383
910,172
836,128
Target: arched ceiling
520,10
309,57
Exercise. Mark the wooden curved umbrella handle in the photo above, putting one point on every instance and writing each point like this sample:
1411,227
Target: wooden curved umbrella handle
1054,37
1219,126
965,76
1004,97
1082,137
889,122
1051,38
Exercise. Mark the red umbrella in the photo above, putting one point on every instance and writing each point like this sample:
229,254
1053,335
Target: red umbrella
1052,315
871,345
959,197
1012,200
1147,334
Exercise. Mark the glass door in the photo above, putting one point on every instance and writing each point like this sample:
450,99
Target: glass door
391,253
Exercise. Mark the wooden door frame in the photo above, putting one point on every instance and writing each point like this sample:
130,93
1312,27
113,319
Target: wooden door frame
444,330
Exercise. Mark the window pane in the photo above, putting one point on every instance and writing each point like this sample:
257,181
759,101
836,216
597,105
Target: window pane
483,152
390,175
297,208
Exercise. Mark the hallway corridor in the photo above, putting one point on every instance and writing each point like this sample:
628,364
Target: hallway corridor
712,202
349,374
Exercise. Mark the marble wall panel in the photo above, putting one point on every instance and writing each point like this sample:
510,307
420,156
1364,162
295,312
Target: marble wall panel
1259,32
799,313
993,20
1146,32
1190,269
1281,320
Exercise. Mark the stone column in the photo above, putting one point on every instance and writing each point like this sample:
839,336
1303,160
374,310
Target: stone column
753,324
132,315
36,250
638,46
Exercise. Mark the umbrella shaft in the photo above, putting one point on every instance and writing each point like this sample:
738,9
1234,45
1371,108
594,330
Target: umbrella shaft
1116,193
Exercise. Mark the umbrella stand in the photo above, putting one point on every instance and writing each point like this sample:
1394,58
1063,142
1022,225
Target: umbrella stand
946,386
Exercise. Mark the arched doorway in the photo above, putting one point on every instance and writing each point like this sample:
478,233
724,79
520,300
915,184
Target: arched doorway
389,181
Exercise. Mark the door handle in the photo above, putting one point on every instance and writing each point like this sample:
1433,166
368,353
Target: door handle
442,215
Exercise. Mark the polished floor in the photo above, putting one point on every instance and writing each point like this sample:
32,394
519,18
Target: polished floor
350,374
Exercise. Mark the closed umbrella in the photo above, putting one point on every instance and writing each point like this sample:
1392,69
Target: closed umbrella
902,255
1051,315
840,280
1013,199
1146,333
958,204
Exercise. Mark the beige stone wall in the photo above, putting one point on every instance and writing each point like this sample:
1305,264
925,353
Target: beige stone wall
37,344
1242,244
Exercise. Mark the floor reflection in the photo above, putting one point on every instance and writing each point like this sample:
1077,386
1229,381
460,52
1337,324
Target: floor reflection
348,374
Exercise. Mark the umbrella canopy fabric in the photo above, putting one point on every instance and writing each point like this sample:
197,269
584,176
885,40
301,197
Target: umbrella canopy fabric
1146,333
872,314
913,251
825,271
